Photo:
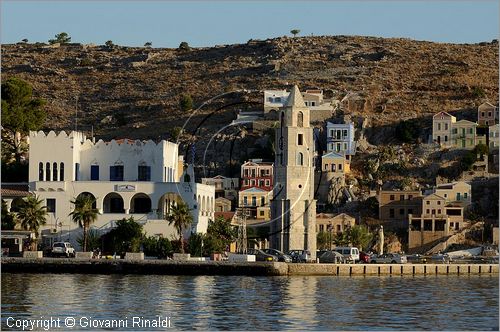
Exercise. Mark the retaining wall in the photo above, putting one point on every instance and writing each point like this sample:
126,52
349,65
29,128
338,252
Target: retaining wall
104,266
391,269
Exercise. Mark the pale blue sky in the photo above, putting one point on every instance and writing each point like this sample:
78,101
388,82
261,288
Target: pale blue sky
206,23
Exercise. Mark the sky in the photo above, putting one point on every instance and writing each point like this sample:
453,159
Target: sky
208,23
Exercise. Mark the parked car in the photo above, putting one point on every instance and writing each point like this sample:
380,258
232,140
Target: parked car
389,258
364,257
440,258
351,254
63,249
281,256
299,256
331,256
416,258
261,256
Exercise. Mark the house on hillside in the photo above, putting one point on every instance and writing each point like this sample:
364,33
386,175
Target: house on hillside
256,188
222,204
340,139
442,128
396,205
320,107
334,223
224,187
437,220
487,114
455,192
450,133
463,134
329,179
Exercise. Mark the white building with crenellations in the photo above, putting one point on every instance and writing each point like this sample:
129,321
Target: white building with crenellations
127,178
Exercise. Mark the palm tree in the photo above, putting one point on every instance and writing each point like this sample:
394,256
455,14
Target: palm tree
84,214
341,239
180,216
360,236
32,215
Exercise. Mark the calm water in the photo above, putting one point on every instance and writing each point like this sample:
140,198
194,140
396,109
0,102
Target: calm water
259,303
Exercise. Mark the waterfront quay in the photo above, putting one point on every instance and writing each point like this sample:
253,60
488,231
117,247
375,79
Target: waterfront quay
170,267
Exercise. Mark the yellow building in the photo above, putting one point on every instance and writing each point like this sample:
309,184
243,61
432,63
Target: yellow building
335,162
463,134
336,223
437,220
459,191
257,201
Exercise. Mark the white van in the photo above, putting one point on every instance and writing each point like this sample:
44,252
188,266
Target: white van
351,254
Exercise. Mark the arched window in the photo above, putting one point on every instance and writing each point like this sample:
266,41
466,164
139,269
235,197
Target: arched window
282,119
300,159
187,178
47,172
54,172
300,119
40,171
61,172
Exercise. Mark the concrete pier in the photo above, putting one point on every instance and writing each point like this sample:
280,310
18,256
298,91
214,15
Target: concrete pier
104,266
391,269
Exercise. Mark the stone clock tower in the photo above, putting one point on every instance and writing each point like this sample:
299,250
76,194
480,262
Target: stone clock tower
293,208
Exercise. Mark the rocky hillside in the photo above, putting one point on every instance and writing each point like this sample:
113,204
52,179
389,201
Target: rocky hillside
134,92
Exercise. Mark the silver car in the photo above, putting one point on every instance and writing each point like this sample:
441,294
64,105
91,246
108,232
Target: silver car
389,258
63,249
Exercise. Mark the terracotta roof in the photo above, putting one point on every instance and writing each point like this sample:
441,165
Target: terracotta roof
226,215
15,189
123,140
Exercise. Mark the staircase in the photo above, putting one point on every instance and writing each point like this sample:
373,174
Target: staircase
446,241
428,246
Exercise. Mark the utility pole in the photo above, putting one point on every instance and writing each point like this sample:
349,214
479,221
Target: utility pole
76,113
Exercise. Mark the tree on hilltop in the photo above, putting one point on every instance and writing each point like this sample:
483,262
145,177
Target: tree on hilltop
295,32
184,46
148,44
61,38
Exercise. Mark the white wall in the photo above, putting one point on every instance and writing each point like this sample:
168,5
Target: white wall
74,148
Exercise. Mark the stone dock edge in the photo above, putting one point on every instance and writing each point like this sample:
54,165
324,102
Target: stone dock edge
169,267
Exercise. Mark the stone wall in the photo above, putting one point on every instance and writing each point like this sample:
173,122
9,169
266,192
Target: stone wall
168,267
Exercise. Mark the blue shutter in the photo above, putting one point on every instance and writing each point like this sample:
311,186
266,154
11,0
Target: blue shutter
111,173
94,172
77,171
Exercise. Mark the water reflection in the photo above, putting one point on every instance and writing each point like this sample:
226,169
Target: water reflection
261,303
299,302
